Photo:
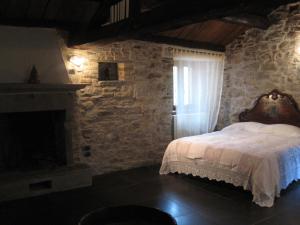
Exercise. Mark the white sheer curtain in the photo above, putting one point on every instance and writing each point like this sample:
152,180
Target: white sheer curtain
198,80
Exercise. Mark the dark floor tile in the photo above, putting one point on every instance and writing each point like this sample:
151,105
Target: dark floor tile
163,203
228,191
133,194
290,217
290,197
112,181
210,204
194,219
213,208
197,181
140,174
192,200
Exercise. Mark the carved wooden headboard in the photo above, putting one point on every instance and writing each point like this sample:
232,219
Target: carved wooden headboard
274,107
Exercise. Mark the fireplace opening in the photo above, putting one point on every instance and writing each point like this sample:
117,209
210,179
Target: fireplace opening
32,140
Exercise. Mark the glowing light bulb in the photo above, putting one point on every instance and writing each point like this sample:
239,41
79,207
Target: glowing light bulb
298,49
297,45
77,60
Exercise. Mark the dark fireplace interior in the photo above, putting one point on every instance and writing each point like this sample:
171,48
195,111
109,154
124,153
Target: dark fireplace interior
32,140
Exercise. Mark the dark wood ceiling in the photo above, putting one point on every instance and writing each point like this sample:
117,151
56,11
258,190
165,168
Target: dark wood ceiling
192,23
65,14
216,32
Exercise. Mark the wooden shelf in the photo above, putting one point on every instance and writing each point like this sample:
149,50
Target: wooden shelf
30,88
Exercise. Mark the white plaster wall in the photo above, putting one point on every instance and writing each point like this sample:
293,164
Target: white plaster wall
22,47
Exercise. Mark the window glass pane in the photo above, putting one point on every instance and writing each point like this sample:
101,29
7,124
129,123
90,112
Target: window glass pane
186,96
175,85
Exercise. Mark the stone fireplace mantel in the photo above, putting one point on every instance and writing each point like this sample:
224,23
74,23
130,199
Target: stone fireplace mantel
33,88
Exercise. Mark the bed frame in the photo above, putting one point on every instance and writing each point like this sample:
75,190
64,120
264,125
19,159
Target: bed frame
272,108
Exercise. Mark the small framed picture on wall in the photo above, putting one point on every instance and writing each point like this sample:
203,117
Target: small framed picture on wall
108,71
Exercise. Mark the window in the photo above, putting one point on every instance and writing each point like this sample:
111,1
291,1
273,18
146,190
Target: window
197,92
186,86
175,85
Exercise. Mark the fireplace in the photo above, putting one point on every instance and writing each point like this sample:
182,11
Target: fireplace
39,144
32,140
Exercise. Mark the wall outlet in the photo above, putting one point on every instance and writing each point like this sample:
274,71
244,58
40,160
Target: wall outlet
86,151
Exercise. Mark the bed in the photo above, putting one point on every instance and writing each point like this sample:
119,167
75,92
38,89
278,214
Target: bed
261,153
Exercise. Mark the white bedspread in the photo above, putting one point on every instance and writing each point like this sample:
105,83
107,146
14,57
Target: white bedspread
261,158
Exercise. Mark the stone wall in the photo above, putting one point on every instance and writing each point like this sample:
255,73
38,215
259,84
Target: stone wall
124,123
261,60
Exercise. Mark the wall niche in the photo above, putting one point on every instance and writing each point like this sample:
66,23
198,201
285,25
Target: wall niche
111,71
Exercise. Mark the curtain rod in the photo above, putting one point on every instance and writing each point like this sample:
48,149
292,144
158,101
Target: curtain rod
183,50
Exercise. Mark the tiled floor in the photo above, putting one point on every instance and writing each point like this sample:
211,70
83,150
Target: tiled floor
192,201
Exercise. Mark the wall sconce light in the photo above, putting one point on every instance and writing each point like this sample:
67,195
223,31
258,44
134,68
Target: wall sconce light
77,61
297,47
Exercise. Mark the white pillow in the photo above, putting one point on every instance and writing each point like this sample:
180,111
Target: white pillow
275,129
282,130
244,126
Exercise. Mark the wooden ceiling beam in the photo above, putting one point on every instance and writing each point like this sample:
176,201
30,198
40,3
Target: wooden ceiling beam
38,23
175,22
172,14
111,2
110,33
100,14
249,20
154,21
181,42
252,13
